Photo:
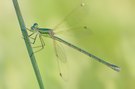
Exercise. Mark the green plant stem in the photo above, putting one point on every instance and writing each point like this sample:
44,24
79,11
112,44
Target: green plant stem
28,45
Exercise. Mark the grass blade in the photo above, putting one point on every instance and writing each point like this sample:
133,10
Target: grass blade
28,45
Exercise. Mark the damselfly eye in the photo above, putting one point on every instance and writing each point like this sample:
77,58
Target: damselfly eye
35,25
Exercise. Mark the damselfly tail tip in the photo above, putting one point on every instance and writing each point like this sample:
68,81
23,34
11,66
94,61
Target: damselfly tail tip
116,68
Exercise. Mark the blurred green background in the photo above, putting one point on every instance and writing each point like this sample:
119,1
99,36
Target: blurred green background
110,35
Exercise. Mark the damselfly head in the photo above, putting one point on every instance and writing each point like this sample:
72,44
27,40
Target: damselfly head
35,25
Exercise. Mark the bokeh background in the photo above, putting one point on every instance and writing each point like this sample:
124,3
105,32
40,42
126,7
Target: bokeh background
110,35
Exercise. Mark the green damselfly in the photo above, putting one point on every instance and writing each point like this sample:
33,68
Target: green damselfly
46,32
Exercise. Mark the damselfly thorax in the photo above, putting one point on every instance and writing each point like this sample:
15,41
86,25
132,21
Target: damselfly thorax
42,31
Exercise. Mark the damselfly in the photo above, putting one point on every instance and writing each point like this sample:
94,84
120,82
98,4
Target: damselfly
46,32
49,33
